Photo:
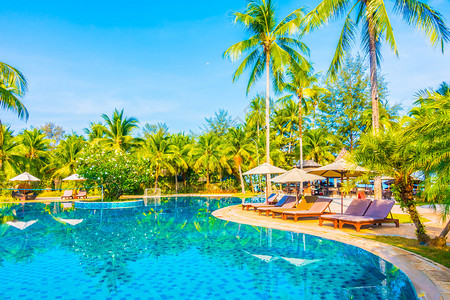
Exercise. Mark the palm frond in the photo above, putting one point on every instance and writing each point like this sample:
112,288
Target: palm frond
327,10
257,71
236,50
291,23
365,42
248,61
376,10
425,19
346,39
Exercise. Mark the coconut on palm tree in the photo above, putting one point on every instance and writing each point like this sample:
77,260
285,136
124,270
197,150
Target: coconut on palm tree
373,17
271,49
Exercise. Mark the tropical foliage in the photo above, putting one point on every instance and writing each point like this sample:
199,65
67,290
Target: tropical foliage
311,118
113,170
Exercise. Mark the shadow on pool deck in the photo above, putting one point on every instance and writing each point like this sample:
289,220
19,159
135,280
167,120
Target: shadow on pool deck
429,278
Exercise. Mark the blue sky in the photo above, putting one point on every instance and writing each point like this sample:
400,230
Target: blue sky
162,61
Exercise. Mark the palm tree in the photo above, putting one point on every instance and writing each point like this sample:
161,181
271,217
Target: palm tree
9,155
376,27
207,154
255,116
238,148
34,147
118,131
66,155
13,85
302,83
271,48
180,147
393,153
319,146
157,149
429,126
95,132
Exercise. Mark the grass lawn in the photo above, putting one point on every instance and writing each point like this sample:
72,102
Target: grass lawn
438,255
246,195
405,218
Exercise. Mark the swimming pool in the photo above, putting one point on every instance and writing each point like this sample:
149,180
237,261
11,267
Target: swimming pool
175,249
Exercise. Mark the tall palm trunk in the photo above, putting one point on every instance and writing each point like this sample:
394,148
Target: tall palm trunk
176,182
269,188
207,176
441,240
242,179
300,134
374,95
156,178
407,199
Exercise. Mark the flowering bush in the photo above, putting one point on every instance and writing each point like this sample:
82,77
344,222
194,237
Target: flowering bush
118,172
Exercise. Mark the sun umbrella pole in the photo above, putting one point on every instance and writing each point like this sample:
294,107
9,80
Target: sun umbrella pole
342,195
267,188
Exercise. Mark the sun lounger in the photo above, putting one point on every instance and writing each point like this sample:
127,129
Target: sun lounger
24,196
68,194
81,194
289,203
270,200
356,208
305,204
278,204
377,213
316,210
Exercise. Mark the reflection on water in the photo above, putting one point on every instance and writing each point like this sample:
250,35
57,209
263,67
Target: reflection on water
175,248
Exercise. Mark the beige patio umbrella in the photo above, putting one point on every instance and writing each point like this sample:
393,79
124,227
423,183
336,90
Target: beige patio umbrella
265,169
340,168
74,177
25,176
296,175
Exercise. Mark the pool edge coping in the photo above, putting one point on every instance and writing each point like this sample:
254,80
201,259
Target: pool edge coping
417,268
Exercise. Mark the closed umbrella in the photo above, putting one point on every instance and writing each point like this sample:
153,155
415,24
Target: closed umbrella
340,168
296,175
266,169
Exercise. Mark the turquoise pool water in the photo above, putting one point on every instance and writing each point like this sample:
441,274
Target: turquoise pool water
175,249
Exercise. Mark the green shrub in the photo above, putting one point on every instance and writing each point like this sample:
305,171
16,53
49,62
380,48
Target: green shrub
118,172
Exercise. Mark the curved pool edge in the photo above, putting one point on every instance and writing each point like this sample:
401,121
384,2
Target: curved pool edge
430,279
